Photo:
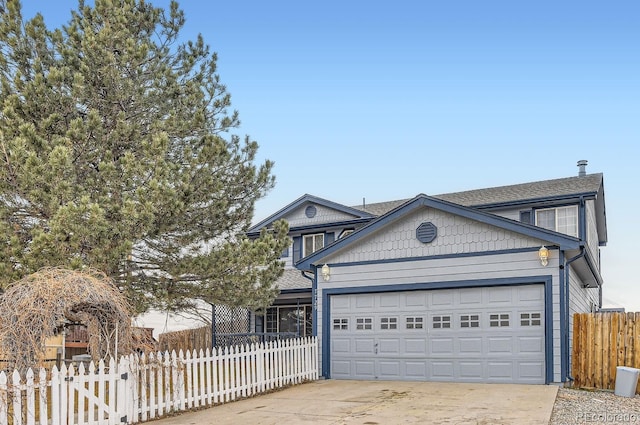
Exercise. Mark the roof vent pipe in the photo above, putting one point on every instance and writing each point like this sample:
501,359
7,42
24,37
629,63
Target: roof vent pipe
582,165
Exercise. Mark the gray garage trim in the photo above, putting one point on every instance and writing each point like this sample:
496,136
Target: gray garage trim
548,308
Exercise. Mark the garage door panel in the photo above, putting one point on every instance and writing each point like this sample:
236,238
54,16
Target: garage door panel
531,371
500,296
469,346
483,334
341,345
416,300
530,344
415,368
341,368
471,370
415,346
389,369
471,297
389,346
364,302
441,299
364,345
441,345
530,295
442,369
364,369
340,303
500,371
390,300
500,345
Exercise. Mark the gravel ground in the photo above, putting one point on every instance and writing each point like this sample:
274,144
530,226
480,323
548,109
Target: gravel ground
594,407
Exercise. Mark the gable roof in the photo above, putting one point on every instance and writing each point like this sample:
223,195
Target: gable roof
309,199
563,241
512,194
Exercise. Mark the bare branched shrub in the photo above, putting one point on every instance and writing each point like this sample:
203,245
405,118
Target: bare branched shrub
38,306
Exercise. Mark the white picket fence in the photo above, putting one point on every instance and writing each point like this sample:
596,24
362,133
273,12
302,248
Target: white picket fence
141,388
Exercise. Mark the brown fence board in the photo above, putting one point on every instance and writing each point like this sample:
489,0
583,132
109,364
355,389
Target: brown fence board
606,348
597,347
601,343
186,340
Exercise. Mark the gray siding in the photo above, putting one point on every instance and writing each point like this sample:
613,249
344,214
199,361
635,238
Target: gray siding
510,214
522,264
323,215
581,300
455,235
592,232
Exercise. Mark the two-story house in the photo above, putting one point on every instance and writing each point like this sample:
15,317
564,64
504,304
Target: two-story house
474,286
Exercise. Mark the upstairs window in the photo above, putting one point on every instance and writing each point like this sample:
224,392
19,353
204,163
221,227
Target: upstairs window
562,219
312,243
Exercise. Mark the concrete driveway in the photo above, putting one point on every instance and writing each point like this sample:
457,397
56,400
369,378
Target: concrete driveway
385,403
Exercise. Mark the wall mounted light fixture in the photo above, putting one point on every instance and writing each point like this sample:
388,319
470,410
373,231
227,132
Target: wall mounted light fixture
543,254
326,273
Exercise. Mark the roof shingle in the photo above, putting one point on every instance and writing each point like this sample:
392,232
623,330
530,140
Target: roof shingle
502,194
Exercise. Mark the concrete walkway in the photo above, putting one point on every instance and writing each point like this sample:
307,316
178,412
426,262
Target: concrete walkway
384,403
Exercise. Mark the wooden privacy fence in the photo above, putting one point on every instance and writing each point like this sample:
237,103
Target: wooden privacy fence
186,340
601,343
142,388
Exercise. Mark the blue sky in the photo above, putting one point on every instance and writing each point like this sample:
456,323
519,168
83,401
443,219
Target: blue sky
385,100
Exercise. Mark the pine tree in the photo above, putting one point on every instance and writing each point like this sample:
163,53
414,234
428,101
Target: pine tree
116,153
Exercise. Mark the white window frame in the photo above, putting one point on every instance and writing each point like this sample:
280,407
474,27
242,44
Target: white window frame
573,231
313,241
364,323
442,321
414,322
499,320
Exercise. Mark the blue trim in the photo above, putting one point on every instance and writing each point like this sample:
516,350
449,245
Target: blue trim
564,330
296,248
563,317
306,198
548,328
582,221
320,226
538,202
547,280
555,238
441,256
314,303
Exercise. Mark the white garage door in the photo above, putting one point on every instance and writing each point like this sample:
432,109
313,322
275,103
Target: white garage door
485,334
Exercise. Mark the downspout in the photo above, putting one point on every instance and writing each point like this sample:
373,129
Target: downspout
567,283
